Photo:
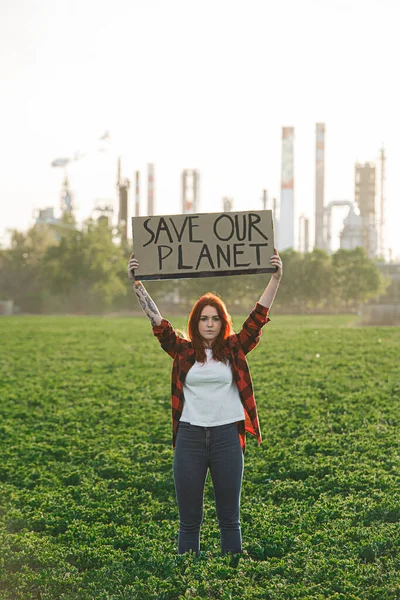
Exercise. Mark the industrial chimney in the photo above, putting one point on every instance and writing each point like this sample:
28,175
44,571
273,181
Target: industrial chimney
190,190
286,222
150,189
319,185
137,193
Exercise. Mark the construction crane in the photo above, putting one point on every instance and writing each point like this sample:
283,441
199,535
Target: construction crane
65,161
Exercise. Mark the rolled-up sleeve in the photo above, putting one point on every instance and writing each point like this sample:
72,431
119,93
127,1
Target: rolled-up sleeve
167,337
249,335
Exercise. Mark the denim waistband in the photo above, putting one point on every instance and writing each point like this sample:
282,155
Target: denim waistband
187,425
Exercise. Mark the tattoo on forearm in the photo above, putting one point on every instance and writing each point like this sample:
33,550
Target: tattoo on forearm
146,303
143,305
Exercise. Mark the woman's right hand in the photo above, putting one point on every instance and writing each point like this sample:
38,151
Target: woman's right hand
132,265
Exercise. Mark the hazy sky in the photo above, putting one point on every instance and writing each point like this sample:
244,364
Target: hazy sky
202,84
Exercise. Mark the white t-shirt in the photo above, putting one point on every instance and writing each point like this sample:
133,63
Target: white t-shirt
211,396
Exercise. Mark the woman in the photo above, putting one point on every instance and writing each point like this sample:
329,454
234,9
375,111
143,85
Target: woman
213,406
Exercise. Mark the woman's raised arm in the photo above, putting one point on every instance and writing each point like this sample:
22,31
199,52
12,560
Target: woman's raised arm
145,300
269,294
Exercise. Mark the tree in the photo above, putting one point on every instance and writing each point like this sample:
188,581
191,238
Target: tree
83,270
292,292
317,279
21,277
356,276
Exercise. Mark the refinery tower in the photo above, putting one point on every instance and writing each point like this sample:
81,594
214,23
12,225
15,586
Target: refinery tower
286,219
319,185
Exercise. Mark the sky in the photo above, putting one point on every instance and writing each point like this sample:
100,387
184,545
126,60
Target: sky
205,84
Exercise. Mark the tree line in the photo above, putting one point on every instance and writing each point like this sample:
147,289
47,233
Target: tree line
64,269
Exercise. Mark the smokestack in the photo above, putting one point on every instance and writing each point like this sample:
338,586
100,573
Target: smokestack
265,199
190,190
183,191
196,190
382,204
137,193
303,233
123,209
275,221
150,189
227,204
286,222
118,172
306,235
319,185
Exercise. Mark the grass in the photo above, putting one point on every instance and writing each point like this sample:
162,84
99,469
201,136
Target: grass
87,500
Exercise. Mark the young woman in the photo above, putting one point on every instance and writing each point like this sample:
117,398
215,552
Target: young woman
213,406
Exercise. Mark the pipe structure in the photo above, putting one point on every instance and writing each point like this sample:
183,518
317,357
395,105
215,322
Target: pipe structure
328,212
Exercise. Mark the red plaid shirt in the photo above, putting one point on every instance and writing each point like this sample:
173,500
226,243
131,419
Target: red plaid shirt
239,344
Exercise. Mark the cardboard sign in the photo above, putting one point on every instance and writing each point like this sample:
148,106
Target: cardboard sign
203,244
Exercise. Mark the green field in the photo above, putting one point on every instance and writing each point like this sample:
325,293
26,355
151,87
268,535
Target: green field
87,500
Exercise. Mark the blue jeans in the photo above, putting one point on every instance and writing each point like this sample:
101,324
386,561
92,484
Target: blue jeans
197,449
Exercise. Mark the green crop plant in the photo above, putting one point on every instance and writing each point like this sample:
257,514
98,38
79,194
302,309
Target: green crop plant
87,500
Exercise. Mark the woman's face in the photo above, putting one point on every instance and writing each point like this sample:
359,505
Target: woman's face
209,324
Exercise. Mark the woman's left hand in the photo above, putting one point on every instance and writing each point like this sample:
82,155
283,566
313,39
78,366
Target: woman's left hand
276,261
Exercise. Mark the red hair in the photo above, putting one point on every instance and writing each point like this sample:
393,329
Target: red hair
218,345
